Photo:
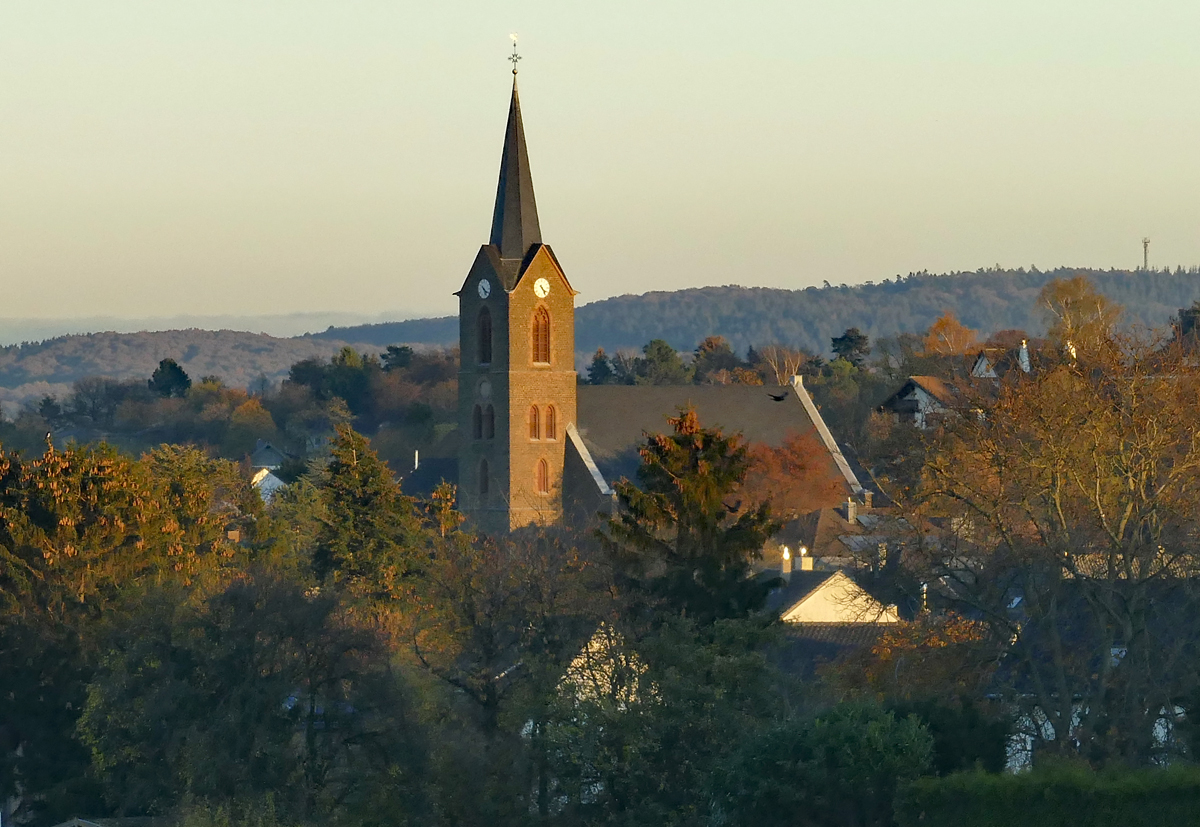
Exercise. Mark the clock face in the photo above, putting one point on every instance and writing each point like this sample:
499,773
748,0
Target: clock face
542,288
485,288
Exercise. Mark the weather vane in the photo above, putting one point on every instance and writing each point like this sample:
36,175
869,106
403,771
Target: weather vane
514,57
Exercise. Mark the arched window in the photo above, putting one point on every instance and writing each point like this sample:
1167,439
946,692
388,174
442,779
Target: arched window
551,423
489,423
543,477
541,336
477,422
483,477
485,336
535,425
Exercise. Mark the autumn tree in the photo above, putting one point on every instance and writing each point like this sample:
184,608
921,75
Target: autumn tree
714,356
1080,316
1068,513
948,336
782,363
796,477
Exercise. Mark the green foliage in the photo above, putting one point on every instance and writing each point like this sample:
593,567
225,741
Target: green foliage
600,371
660,365
639,732
367,538
676,537
853,346
268,690
966,736
397,358
1054,796
842,768
169,379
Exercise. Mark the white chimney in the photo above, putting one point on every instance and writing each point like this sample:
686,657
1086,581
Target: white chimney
851,510
806,561
416,459
785,567
1023,357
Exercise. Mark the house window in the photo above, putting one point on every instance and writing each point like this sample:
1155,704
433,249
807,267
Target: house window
543,477
485,337
489,423
483,477
477,422
535,425
541,336
551,424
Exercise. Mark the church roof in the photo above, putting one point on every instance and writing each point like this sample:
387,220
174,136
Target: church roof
613,420
515,221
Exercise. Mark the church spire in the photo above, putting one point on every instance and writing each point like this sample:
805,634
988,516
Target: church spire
515,221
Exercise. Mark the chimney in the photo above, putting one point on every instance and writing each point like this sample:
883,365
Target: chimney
867,496
1023,357
785,566
416,459
806,561
851,510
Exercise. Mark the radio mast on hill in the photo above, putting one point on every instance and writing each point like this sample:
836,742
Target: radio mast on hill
1145,253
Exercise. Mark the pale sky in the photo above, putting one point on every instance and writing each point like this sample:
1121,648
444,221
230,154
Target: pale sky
239,156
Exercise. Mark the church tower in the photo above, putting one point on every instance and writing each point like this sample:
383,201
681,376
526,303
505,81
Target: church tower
516,380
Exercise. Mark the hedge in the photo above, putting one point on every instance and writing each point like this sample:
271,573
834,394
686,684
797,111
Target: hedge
1053,797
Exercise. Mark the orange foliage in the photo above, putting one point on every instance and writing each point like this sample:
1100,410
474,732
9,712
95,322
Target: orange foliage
798,477
944,655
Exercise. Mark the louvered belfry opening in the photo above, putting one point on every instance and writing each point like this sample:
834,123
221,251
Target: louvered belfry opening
541,336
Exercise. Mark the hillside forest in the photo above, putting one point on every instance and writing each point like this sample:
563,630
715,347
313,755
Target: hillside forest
806,319
174,647
987,300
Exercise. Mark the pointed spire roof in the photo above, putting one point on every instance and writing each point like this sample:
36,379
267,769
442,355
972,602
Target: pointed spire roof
515,221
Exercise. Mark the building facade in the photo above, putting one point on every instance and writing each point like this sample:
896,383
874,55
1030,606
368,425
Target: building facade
516,388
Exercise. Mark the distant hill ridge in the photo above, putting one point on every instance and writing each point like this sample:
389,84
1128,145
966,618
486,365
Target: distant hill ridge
35,369
987,300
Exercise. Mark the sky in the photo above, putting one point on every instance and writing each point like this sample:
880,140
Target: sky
239,157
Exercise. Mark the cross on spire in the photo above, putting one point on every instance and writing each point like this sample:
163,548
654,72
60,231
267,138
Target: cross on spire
514,57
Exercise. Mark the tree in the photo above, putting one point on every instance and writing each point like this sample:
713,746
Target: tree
796,477
842,768
782,363
1068,509
678,538
169,379
714,356
949,337
853,346
1080,316
260,691
369,535
600,371
397,357
640,732
661,365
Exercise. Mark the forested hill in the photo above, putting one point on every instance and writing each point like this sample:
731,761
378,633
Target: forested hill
987,300
34,369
